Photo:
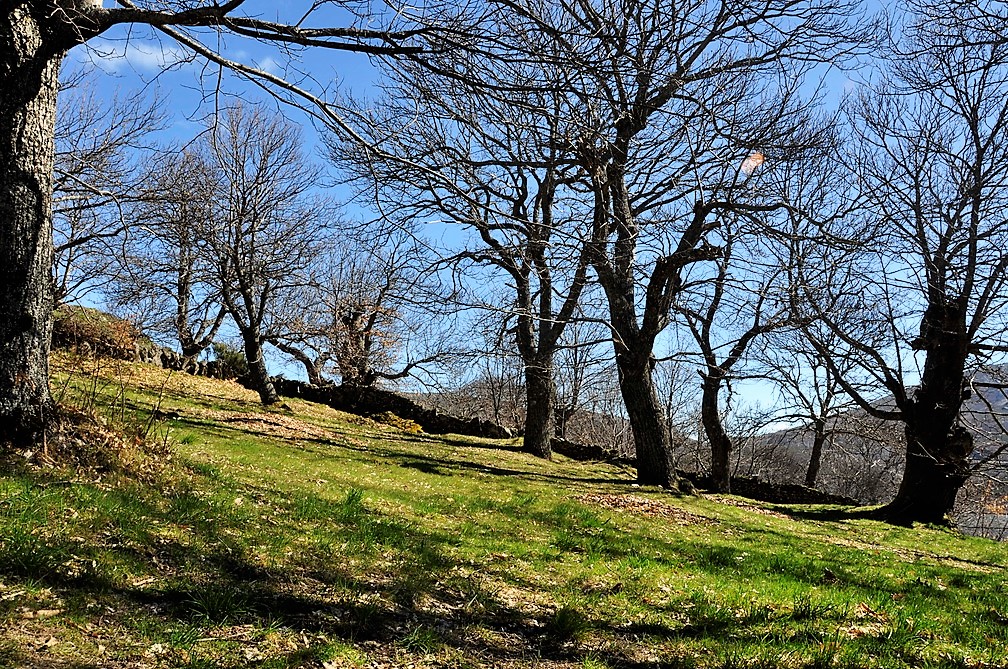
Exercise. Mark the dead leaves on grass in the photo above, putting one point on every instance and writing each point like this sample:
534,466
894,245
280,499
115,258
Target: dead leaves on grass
645,506
267,424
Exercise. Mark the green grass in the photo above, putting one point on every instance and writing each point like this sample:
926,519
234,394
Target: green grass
305,537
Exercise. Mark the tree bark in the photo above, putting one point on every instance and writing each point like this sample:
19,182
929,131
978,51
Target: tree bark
29,70
936,468
647,421
540,396
312,368
720,442
257,371
815,460
937,448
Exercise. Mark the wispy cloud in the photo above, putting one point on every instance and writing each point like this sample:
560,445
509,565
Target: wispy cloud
136,55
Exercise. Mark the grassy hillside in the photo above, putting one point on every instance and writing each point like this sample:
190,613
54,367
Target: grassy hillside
305,537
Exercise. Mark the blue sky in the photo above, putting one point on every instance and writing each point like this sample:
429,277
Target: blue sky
138,58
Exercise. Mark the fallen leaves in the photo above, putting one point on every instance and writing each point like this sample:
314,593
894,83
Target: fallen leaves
645,507
270,424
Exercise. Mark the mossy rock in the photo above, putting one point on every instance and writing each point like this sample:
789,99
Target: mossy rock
404,424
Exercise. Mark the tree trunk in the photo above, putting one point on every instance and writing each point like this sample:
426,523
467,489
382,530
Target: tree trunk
815,460
540,395
647,422
258,374
312,370
936,468
937,449
720,443
28,78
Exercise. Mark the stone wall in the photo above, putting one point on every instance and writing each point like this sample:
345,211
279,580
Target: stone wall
370,401
775,493
169,359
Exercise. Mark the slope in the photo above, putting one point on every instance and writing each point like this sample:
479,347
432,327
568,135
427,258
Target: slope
305,537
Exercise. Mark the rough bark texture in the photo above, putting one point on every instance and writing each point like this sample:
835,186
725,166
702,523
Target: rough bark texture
29,70
938,449
258,374
540,395
720,442
647,421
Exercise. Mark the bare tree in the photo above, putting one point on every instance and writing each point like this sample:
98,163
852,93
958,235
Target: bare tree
266,229
103,159
746,297
165,275
36,35
485,153
933,134
809,391
655,97
375,310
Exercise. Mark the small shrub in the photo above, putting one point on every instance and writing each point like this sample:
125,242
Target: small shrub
567,624
231,360
351,507
217,603
804,608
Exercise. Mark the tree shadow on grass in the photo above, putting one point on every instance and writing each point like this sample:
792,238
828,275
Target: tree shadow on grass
181,559
442,466
827,513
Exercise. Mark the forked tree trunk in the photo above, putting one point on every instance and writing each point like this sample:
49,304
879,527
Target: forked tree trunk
28,81
540,395
720,442
258,374
647,422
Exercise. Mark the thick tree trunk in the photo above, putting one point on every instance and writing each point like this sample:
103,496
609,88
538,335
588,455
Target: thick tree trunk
936,468
647,422
28,79
720,442
540,395
257,371
938,448
815,460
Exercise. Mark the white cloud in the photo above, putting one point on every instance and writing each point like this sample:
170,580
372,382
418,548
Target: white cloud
269,65
136,55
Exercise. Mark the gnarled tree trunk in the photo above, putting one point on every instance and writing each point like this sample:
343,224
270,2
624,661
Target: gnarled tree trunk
258,374
937,448
29,70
